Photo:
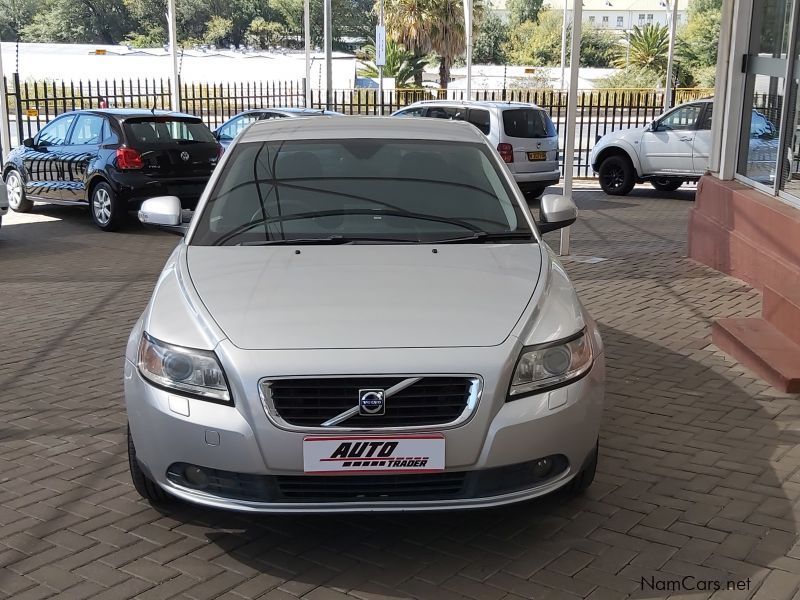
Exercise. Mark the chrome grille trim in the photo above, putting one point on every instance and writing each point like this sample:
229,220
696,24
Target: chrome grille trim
473,398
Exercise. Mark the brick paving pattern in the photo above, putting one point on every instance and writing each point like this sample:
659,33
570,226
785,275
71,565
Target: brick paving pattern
698,474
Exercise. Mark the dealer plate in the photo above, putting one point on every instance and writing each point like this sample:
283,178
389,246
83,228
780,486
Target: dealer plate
373,454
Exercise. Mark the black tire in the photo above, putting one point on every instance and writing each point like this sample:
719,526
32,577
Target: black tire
533,192
617,176
147,489
17,200
108,212
585,478
666,184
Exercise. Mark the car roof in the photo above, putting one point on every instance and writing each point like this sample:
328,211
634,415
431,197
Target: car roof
348,127
475,103
128,113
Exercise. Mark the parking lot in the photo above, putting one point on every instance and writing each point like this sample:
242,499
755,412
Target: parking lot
698,481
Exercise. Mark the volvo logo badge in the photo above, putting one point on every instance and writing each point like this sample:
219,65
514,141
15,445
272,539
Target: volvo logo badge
184,156
371,402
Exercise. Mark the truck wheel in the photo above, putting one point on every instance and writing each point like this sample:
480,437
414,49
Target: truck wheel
616,175
666,184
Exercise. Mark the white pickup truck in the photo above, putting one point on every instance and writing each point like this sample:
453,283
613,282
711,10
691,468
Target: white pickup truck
674,149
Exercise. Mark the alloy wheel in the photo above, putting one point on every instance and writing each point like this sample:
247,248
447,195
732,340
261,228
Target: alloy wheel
101,205
14,186
614,178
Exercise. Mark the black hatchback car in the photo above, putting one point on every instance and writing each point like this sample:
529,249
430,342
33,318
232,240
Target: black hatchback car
112,160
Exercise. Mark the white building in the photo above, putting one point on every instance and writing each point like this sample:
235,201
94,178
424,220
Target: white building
619,15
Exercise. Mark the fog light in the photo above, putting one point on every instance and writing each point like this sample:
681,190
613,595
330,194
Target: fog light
542,467
195,476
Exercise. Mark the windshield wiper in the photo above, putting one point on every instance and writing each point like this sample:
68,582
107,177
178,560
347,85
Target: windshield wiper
485,236
333,240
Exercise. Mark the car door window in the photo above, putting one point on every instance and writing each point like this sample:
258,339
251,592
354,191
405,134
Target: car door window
55,133
237,125
445,112
681,119
88,131
705,122
480,118
412,112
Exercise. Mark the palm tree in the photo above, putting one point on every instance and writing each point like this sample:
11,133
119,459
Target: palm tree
400,64
646,48
432,25
408,22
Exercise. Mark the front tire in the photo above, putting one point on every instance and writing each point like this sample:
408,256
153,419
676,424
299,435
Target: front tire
108,212
666,184
617,176
147,489
584,479
17,200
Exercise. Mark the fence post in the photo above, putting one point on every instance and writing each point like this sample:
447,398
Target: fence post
18,99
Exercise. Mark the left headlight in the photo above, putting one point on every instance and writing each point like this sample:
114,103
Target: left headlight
551,365
186,370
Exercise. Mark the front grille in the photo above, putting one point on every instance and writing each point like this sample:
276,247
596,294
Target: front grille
343,488
369,488
311,402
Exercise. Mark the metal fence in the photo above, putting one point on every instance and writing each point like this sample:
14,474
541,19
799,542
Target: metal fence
33,104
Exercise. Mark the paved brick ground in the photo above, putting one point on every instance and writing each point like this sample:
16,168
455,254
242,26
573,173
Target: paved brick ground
698,474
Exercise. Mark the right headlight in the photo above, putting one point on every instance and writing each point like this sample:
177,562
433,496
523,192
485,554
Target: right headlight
184,370
551,365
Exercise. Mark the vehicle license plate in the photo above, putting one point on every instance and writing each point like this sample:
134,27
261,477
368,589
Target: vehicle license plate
537,155
373,454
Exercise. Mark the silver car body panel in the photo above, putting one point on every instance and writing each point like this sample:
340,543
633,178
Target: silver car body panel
539,306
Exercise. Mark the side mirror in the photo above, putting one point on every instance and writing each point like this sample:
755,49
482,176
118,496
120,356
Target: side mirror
3,198
163,210
28,143
556,212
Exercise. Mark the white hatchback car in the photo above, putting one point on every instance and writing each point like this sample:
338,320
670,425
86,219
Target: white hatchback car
523,134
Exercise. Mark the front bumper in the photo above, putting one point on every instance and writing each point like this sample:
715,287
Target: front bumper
168,429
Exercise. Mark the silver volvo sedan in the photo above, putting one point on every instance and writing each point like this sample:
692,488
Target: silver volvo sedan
362,316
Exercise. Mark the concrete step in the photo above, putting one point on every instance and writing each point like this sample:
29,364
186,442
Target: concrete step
782,311
760,347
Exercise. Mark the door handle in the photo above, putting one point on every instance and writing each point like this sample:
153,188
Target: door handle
686,139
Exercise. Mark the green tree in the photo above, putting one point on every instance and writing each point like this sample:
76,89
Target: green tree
262,33
490,43
86,21
645,48
633,78
448,33
698,41
218,30
539,43
14,15
520,11
400,64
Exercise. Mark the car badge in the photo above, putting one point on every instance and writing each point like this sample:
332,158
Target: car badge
184,156
371,402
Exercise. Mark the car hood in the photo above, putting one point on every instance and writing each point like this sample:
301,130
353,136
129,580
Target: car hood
629,134
365,296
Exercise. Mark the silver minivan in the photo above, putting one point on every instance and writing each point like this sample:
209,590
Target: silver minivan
523,134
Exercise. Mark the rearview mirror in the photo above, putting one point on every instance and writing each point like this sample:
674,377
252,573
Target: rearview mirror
556,212
163,210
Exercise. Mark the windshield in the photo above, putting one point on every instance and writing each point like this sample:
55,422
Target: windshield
528,123
360,191
166,130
